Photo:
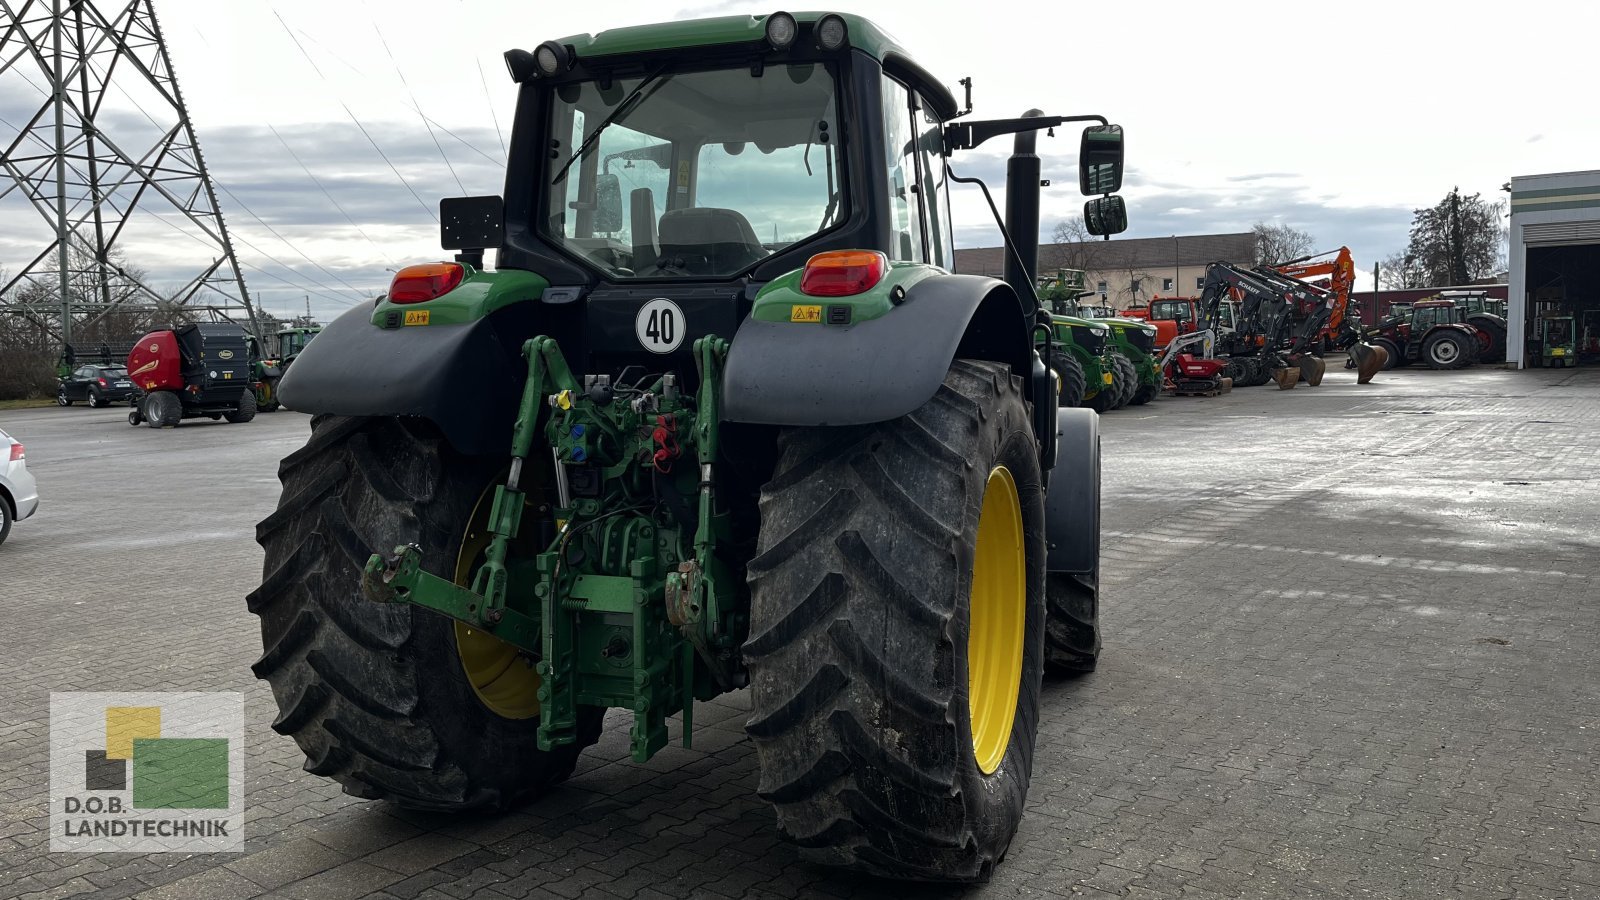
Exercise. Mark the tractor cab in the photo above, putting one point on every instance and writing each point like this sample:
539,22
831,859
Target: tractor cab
1428,313
293,340
784,168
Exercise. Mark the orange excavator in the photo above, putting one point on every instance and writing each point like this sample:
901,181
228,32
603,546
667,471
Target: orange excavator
1340,278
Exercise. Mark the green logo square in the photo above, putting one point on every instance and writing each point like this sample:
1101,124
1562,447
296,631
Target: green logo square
180,773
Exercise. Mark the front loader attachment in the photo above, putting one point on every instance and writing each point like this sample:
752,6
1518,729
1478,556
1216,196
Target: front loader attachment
1369,361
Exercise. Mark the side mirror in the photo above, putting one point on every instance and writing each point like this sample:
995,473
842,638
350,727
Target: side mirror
1100,160
1105,216
607,203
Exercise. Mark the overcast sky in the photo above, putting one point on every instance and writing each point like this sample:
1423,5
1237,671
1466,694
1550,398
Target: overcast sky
1339,119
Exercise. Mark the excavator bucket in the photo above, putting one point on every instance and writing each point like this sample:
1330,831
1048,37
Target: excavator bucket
1286,378
1369,361
1312,369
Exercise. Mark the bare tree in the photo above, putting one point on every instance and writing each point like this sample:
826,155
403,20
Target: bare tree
1140,287
1073,246
1400,271
1280,243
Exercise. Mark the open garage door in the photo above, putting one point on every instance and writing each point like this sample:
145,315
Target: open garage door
1563,284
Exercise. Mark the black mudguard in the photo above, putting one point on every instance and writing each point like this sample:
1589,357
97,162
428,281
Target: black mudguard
1072,500
778,373
466,378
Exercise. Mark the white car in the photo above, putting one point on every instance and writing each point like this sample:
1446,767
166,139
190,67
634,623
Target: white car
19,495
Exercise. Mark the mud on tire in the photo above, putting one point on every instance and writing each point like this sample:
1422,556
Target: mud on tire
375,695
860,614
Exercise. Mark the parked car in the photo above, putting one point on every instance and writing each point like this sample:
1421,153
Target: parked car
97,385
19,496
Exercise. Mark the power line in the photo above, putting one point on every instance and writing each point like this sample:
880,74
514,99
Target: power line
494,116
280,237
431,214
417,105
431,121
336,205
249,211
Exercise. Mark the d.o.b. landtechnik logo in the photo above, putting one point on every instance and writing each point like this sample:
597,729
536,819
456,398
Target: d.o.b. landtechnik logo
146,772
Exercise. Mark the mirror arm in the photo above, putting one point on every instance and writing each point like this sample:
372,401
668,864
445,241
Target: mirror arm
968,135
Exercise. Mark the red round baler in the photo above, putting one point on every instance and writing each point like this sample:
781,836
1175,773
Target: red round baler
190,371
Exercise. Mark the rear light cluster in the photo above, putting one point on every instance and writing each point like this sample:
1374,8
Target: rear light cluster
428,281
102,381
16,451
843,273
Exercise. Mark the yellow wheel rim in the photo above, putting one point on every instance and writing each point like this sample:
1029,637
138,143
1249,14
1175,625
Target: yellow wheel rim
996,619
501,676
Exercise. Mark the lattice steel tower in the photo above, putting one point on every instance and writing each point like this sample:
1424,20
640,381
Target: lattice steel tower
103,149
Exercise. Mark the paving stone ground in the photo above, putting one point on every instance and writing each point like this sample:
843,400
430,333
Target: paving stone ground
1349,652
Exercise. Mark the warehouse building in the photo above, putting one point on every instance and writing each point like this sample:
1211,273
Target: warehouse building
1555,268
1131,271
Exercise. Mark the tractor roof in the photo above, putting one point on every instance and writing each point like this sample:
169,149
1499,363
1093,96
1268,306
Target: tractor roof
752,30
864,35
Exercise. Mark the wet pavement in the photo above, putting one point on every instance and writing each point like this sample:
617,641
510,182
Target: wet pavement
1349,652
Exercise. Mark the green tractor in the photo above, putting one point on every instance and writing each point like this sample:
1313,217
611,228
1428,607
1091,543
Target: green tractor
1134,340
1080,354
268,371
720,419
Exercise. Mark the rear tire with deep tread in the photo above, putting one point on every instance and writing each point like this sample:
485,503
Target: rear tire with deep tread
1072,379
1396,355
375,695
1496,351
1438,356
1125,378
1072,629
860,602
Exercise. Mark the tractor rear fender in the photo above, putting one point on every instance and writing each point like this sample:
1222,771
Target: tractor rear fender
1072,498
465,377
810,373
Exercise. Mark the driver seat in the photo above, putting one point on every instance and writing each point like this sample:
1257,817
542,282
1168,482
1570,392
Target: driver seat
708,240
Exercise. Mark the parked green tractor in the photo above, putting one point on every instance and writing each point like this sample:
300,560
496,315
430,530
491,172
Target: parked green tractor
720,419
268,369
1134,340
1080,354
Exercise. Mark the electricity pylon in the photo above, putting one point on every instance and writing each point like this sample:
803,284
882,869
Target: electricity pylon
110,181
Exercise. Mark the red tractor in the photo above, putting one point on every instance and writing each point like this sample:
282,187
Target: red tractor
1172,316
191,371
1431,331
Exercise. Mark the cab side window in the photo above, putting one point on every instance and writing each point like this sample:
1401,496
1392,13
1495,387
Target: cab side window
935,193
901,163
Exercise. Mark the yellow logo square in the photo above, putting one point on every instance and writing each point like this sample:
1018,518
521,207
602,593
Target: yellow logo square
126,724
417,317
805,313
